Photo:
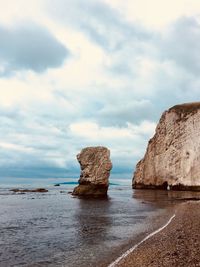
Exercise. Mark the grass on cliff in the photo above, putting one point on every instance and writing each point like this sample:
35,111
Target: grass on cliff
186,108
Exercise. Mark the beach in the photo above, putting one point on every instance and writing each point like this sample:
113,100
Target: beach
178,244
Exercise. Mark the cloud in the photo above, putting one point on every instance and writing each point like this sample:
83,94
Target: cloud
119,140
181,43
132,111
29,47
94,133
155,14
30,148
102,24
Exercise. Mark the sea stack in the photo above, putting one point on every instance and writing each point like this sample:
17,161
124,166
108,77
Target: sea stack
172,158
95,170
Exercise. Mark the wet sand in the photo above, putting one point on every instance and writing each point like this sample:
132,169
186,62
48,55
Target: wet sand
178,244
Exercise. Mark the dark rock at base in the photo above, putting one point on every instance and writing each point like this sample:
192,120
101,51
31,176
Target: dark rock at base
90,190
165,186
37,190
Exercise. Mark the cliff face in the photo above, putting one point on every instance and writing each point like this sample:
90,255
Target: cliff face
95,170
173,154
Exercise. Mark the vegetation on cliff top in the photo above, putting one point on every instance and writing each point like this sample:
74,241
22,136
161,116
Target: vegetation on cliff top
186,108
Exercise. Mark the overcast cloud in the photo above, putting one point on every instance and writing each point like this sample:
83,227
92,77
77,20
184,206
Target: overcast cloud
28,46
76,74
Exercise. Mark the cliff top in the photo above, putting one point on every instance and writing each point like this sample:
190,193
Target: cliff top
186,108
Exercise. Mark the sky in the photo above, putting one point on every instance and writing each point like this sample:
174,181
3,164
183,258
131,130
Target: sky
77,73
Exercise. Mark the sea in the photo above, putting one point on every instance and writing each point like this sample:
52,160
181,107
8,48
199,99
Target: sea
57,229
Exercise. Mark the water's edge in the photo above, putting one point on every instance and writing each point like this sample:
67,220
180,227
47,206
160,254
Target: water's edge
129,251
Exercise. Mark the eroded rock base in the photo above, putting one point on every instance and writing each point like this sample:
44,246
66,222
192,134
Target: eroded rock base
91,190
164,186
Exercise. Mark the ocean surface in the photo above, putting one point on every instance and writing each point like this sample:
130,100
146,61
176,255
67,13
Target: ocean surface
56,229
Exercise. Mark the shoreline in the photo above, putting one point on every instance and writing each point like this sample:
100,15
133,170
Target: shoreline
150,225
131,250
176,243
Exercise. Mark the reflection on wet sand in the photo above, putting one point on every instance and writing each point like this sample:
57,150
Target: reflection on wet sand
163,198
93,220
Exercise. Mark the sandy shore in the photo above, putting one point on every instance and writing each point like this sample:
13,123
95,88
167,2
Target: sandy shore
178,244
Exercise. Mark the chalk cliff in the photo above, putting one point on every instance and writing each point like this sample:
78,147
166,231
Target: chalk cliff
172,158
95,170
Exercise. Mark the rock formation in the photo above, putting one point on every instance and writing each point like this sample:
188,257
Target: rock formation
37,190
95,170
172,159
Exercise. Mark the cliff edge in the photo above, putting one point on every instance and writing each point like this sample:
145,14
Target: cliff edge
172,158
